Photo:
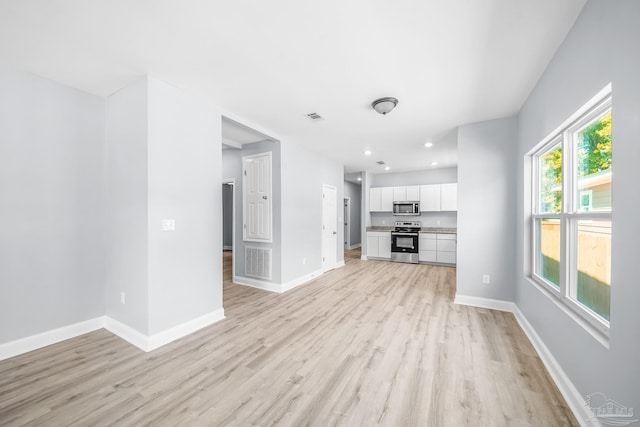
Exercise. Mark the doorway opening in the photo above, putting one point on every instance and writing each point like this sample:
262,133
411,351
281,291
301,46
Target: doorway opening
228,229
347,223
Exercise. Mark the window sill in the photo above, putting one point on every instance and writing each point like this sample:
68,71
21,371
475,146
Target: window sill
600,336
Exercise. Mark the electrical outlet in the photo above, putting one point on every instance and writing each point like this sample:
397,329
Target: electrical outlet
122,297
169,224
486,279
304,261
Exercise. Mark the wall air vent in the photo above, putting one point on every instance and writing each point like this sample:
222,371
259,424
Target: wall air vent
381,163
314,116
257,262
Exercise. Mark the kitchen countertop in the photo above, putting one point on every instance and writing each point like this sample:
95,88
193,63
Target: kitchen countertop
380,228
440,230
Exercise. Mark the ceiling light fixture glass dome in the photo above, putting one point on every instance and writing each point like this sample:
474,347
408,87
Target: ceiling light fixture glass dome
384,105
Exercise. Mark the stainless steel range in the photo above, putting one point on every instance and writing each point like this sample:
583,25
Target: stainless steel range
404,241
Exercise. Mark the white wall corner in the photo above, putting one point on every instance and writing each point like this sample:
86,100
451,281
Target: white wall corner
573,397
339,264
34,342
363,257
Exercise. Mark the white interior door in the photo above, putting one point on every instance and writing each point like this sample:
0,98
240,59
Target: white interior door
256,190
329,227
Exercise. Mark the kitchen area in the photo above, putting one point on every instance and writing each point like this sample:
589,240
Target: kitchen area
414,223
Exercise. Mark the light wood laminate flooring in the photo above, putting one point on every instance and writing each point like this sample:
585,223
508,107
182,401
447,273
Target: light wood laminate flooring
372,343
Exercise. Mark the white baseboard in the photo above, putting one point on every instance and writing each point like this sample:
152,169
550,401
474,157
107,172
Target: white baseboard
165,337
339,264
276,287
127,333
255,283
227,248
34,342
493,304
363,257
356,246
300,281
574,399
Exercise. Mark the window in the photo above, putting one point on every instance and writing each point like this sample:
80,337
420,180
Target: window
571,212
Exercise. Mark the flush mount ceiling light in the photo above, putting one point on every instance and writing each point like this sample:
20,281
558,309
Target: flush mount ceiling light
384,105
367,153
387,168
428,144
434,163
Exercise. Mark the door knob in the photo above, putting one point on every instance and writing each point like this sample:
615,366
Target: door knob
264,197
335,232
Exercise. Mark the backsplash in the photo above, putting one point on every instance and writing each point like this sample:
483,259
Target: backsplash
428,219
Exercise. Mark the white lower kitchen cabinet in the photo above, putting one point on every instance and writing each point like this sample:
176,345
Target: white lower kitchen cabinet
379,244
384,246
438,248
427,248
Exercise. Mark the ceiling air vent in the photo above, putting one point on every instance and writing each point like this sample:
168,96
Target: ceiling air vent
381,162
314,116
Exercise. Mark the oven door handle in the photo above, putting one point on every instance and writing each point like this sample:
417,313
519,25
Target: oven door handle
393,233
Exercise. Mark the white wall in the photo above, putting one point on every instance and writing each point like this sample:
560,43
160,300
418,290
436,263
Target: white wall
486,208
51,205
303,174
602,47
127,182
184,168
164,162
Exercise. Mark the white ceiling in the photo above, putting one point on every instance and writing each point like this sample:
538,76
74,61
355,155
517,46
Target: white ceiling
271,62
235,135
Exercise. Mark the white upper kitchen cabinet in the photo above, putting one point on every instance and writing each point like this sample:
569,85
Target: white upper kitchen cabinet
430,198
399,194
413,193
381,199
375,199
386,202
449,197
410,193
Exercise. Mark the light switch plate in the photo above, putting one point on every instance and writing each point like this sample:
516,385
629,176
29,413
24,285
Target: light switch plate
168,225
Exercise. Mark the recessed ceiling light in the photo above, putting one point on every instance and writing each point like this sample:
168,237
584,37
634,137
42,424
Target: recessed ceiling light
359,179
428,144
434,163
367,152
387,168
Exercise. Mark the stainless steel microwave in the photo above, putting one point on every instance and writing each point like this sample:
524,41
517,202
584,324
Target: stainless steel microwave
406,208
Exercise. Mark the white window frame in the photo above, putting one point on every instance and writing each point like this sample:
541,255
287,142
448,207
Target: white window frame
571,214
